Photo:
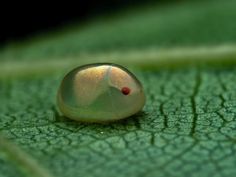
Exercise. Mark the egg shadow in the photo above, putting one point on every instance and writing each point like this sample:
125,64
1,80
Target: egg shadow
132,120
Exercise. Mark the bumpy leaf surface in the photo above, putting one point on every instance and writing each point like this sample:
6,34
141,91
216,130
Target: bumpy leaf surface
187,127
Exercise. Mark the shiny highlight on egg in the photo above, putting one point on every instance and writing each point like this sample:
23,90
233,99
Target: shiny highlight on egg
100,93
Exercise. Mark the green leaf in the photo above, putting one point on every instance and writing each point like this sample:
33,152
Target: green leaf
187,127
210,22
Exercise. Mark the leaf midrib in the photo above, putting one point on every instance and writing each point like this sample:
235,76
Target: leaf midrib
150,58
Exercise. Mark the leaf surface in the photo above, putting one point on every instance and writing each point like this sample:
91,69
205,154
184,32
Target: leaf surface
187,127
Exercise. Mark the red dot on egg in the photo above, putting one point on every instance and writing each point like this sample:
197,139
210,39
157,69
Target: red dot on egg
125,90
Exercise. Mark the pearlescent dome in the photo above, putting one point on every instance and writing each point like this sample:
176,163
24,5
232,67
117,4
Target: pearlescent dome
100,93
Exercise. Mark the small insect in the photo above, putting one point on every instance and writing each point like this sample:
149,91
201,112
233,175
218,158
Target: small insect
100,93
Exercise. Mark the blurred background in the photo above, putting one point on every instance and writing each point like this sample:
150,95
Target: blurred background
40,30
25,20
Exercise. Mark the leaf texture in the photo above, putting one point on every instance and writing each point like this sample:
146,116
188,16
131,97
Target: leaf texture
187,127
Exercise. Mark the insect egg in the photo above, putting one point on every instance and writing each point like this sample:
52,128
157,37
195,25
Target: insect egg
100,93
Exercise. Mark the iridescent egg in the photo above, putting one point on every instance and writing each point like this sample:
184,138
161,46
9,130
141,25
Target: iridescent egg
100,93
